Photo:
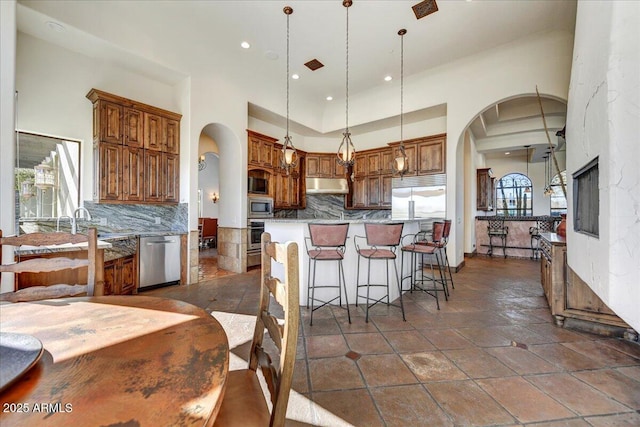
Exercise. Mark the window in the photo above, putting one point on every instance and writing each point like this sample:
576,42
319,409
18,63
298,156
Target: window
558,200
586,208
513,195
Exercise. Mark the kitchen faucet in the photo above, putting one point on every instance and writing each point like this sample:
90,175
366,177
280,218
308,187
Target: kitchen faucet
58,221
74,219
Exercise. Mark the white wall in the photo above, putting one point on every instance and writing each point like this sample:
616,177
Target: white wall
7,126
603,120
209,183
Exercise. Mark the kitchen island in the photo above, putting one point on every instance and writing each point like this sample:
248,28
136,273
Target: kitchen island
297,230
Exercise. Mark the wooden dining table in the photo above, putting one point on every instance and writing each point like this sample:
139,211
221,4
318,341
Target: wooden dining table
116,360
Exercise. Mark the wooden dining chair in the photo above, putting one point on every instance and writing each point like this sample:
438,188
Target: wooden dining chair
94,266
244,402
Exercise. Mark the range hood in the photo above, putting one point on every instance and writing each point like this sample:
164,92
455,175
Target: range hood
327,186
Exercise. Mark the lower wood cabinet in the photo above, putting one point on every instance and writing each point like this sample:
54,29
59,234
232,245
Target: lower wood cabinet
121,276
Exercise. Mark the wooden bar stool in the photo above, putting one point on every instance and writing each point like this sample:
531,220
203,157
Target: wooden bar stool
382,241
432,248
327,243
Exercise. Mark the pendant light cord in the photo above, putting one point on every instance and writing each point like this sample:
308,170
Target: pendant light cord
401,92
287,74
347,78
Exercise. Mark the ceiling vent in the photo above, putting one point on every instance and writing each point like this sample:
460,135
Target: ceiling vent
424,8
314,64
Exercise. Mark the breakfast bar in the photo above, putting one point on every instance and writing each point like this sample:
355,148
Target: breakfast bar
297,230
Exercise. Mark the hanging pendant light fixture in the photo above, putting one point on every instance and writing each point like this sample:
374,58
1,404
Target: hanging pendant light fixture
346,150
401,162
289,153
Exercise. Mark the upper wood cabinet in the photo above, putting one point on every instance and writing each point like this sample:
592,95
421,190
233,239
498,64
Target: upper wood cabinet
136,151
261,149
484,194
431,155
321,165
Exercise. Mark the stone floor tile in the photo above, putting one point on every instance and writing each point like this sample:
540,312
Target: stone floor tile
347,407
408,406
368,343
604,354
614,384
334,373
467,404
433,366
576,395
564,357
408,341
446,339
477,363
524,401
522,361
630,419
385,369
326,346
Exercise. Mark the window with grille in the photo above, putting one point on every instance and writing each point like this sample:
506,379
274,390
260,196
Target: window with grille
558,200
513,195
586,207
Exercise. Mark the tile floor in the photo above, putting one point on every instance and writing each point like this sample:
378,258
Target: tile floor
456,366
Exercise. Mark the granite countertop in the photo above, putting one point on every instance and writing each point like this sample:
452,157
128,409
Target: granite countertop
554,239
340,221
115,236
518,218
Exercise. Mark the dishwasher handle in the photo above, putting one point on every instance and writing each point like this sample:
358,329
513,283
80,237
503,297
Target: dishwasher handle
159,242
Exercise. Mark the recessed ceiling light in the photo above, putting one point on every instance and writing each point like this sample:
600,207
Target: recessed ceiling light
245,45
329,98
295,76
507,153
54,26
388,78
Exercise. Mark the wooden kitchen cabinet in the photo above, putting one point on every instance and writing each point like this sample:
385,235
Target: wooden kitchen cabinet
431,155
385,188
120,276
360,199
485,189
410,149
136,151
387,156
321,165
373,191
373,163
261,149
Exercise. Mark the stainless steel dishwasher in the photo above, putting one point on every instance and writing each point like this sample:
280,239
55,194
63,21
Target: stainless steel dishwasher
159,260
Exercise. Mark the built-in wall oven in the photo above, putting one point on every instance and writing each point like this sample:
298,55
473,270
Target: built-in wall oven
254,234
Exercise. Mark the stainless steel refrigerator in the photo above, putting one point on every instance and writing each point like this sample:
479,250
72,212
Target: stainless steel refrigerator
419,198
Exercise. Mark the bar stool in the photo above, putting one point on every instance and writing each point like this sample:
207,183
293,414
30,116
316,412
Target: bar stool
542,226
421,246
382,241
496,228
327,244
442,244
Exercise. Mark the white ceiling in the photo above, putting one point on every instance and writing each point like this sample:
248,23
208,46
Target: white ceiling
167,40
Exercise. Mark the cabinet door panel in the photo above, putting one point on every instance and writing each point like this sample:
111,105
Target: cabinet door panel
111,123
172,136
360,192
110,164
373,164
132,174
171,178
386,160
153,135
110,277
373,191
133,128
313,166
127,275
431,157
153,176
386,190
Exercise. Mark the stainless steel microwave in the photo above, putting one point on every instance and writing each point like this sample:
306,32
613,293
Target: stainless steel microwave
260,207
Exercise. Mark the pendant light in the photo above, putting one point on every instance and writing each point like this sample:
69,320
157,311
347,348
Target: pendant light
401,162
289,153
346,150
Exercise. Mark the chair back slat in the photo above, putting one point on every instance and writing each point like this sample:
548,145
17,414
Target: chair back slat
42,265
48,264
437,232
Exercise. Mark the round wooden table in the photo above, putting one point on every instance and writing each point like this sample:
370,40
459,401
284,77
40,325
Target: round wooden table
117,360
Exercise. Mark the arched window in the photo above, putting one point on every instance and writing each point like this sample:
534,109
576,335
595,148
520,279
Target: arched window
513,195
558,200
